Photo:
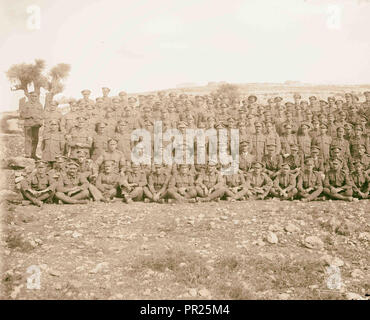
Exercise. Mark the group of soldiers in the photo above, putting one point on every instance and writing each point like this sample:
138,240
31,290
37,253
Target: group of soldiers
307,150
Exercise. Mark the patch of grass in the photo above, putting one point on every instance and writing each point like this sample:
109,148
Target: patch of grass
16,241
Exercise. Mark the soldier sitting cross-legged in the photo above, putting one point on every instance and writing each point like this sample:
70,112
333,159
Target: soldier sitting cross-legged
309,182
39,186
108,182
72,186
284,184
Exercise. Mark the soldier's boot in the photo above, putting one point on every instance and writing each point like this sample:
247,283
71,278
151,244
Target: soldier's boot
217,194
137,194
65,199
83,195
32,198
95,193
240,195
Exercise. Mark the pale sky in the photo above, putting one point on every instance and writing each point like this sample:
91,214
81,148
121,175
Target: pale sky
147,45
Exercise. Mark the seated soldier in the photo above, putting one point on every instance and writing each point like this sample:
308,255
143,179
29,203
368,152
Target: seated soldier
294,159
38,187
158,180
271,160
259,183
318,161
72,187
133,183
108,182
88,170
181,186
235,186
337,183
361,181
284,186
309,182
336,153
58,168
363,158
210,186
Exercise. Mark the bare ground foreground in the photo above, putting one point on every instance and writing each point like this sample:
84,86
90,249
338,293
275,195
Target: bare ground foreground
244,250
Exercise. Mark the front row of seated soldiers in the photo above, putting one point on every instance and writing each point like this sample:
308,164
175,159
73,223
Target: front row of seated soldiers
76,181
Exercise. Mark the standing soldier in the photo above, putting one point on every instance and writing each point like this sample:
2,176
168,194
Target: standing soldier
158,181
287,139
323,141
284,186
337,183
245,158
210,186
272,136
72,187
309,182
51,113
69,120
304,139
79,137
181,186
107,100
112,154
123,136
38,187
32,113
258,142
358,139
53,143
99,141
86,97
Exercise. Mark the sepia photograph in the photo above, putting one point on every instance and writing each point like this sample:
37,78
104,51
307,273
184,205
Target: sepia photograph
198,151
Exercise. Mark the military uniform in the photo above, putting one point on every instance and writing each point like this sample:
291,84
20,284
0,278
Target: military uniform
210,185
133,183
32,113
38,186
284,185
181,186
158,181
309,185
259,184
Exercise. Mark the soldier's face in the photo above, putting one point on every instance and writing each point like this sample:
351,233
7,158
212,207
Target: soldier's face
309,166
315,153
257,168
340,133
72,170
41,169
211,168
81,157
358,167
183,170
112,145
108,168
33,97
54,127
285,169
323,130
336,153
335,165
270,149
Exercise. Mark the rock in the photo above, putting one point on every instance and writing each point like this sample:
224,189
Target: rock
58,286
9,195
291,228
357,273
147,292
76,234
346,228
193,292
16,291
283,296
17,163
364,236
272,238
182,265
204,293
275,227
54,273
332,261
99,267
354,296
313,242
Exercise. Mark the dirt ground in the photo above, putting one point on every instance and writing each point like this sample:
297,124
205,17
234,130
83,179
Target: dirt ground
243,250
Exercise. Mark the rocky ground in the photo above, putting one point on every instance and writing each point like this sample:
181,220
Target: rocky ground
244,250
